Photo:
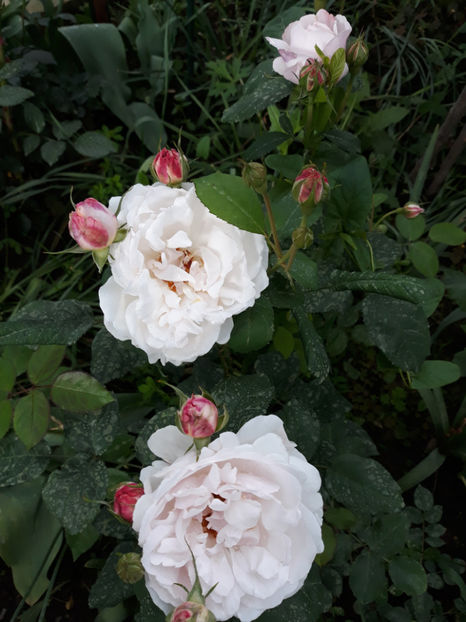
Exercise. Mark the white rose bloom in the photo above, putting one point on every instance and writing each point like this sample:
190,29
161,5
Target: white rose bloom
249,508
297,45
179,275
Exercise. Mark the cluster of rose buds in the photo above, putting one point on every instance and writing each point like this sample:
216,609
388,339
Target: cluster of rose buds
309,187
313,74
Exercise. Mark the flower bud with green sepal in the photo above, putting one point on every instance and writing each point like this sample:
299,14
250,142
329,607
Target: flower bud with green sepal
129,568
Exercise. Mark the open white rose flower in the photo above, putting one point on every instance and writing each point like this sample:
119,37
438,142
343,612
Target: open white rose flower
179,275
249,508
297,45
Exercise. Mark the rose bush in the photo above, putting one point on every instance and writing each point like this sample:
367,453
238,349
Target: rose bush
297,45
179,275
249,509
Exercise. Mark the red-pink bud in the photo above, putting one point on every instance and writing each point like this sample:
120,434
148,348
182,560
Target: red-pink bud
125,499
170,167
198,417
192,611
411,210
92,225
312,73
309,186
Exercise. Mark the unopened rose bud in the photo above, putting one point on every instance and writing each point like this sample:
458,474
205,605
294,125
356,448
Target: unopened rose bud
170,167
129,568
411,210
255,176
309,187
357,55
125,499
92,225
194,612
312,74
198,417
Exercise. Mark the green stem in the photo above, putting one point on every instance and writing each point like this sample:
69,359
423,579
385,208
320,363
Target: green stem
308,123
398,210
273,228
51,584
344,101
421,471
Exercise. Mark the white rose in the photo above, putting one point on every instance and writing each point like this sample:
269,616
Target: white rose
328,32
179,275
249,509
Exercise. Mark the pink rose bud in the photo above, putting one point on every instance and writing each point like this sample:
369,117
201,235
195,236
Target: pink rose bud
92,225
411,210
309,186
125,499
198,417
170,167
312,74
195,612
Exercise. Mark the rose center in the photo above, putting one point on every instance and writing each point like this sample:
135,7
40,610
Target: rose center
205,516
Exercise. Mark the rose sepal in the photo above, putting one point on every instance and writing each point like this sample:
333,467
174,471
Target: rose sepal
100,257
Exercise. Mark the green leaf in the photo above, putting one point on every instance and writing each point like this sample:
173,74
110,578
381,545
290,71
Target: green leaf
30,143
382,119
66,129
18,356
263,145
6,415
316,356
283,341
298,416
245,397
31,418
101,50
17,464
337,65
350,201
228,197
52,150
304,271
74,491
424,258
408,575
94,145
423,499
410,228
109,589
367,578
159,420
94,433
44,362
46,322
288,166
388,534
82,542
253,328
435,374
275,27
112,358
341,518
148,611
330,542
262,89
13,95
31,538
363,485
447,233
79,392
455,282
399,329
34,117
7,375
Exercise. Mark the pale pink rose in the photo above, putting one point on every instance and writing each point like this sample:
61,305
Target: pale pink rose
198,417
180,274
297,45
248,508
92,225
